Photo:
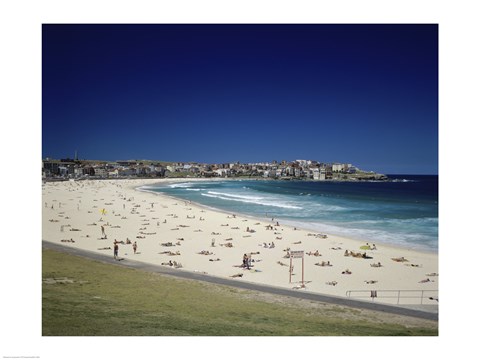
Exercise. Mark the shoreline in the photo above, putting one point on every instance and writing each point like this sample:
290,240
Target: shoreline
286,222
212,241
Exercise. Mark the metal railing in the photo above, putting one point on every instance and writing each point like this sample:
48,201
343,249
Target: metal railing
400,296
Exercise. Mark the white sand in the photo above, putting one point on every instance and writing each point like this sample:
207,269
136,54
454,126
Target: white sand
139,216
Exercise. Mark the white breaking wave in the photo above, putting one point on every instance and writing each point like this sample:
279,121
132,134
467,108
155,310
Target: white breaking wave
181,185
247,197
249,200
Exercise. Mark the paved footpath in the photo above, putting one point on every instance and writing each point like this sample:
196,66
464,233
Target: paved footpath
429,315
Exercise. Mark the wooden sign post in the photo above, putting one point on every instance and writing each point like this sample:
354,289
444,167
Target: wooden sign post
297,255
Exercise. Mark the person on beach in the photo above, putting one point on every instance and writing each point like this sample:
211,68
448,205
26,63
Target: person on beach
115,250
103,232
135,247
245,261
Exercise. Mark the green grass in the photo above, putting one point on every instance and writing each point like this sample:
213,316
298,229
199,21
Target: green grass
112,300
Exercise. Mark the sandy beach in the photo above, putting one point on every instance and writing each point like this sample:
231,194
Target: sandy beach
94,214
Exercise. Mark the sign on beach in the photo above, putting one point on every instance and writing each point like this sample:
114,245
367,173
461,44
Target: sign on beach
296,254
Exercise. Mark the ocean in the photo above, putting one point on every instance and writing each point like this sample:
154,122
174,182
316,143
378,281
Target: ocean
402,211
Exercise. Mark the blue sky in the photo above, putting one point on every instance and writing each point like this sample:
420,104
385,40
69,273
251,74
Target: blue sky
362,94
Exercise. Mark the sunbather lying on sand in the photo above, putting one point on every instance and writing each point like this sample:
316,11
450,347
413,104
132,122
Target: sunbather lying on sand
296,287
205,252
400,259
323,263
331,283
236,275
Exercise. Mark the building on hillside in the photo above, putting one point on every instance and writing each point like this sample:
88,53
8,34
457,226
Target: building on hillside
101,172
336,167
50,168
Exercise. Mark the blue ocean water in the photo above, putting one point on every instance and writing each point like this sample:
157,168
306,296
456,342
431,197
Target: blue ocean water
402,211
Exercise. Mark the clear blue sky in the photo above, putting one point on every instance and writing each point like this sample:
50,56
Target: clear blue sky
362,94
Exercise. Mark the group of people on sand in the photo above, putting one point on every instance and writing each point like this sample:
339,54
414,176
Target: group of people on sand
247,261
269,245
173,264
357,254
116,247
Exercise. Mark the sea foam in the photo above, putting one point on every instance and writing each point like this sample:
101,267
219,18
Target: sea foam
250,200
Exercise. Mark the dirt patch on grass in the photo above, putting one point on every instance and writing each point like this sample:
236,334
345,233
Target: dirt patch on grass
62,280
